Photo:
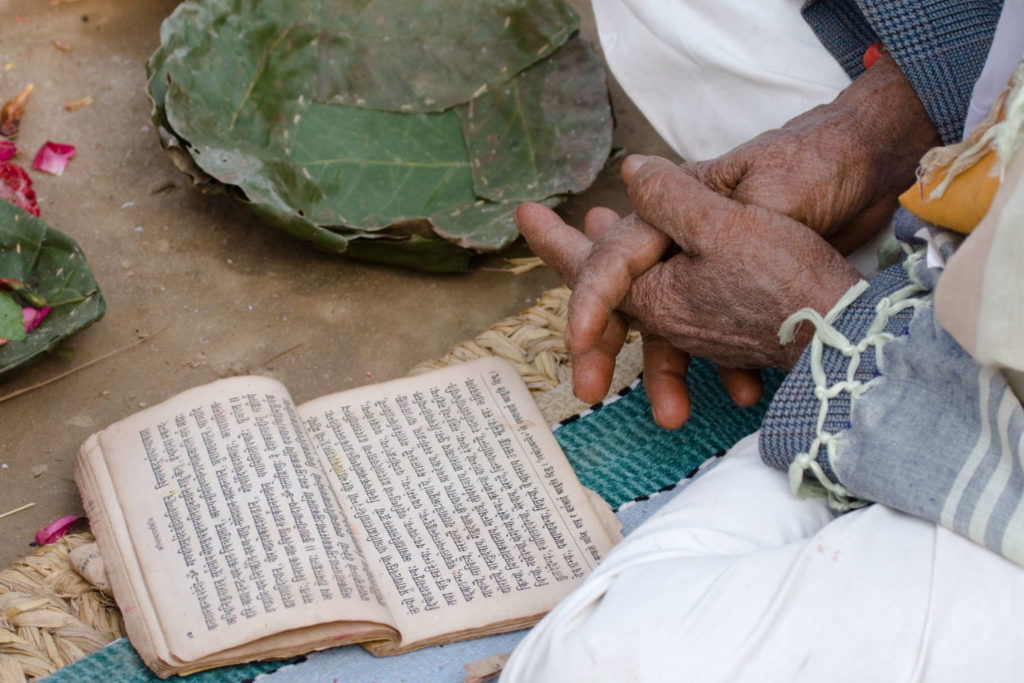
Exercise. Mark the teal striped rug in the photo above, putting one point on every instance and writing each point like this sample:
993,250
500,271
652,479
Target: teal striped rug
616,449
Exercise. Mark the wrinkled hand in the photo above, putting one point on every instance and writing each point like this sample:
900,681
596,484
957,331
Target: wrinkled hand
620,250
748,226
837,168
741,271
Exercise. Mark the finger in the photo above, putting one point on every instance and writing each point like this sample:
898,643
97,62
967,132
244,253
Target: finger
598,221
706,310
665,369
630,164
592,371
623,252
722,174
558,244
680,205
744,386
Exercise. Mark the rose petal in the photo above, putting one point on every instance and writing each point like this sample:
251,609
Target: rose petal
16,187
7,150
53,157
55,530
33,316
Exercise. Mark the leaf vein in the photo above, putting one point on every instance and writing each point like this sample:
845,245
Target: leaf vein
256,77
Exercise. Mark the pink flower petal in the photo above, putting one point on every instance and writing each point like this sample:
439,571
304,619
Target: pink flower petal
16,187
33,316
53,157
7,150
55,530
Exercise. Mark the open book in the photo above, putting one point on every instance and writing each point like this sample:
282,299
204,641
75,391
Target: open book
236,526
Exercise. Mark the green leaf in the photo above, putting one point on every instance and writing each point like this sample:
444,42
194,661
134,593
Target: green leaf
399,55
545,132
12,325
234,86
488,226
52,268
341,166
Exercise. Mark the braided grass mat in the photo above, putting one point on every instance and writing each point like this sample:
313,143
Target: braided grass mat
50,616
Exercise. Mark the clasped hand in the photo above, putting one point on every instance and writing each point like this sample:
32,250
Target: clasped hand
716,278
719,253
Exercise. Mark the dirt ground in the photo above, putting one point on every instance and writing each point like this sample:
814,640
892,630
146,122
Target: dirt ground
218,293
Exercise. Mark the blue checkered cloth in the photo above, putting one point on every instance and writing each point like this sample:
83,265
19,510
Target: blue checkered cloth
790,426
918,425
940,45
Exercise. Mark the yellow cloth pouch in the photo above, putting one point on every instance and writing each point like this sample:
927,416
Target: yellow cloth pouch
975,166
964,203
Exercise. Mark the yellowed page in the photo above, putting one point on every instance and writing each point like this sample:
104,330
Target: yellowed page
107,523
233,523
462,500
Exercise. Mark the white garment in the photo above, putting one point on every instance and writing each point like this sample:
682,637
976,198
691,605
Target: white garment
736,580
710,75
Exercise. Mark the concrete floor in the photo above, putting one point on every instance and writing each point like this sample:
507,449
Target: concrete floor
219,293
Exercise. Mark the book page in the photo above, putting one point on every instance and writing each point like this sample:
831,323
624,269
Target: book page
234,523
461,499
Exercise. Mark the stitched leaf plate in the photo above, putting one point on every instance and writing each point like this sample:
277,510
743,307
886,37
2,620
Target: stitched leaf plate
47,269
364,128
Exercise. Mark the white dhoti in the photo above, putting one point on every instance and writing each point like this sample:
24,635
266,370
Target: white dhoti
710,75
736,580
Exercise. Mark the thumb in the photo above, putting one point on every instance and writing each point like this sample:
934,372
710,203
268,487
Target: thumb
630,165
676,202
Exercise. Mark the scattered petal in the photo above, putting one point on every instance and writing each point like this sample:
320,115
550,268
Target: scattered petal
7,150
55,530
53,157
78,104
61,45
10,114
16,187
33,316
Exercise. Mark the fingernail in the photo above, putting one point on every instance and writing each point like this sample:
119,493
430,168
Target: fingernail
631,164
